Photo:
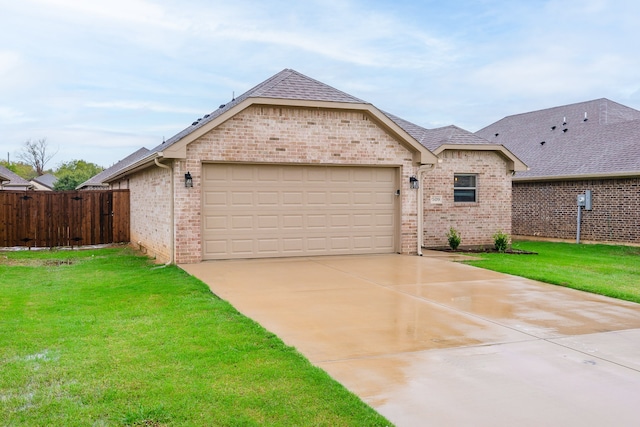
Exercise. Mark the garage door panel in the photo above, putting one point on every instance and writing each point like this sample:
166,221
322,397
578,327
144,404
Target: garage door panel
340,198
244,198
218,223
295,222
317,221
297,210
292,199
215,198
318,198
268,198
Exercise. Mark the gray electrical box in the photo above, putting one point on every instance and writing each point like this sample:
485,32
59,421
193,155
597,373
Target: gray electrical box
584,200
587,200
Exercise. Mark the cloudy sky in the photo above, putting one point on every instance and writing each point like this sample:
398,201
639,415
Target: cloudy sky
101,78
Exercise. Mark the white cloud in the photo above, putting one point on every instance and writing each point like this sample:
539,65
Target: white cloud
142,105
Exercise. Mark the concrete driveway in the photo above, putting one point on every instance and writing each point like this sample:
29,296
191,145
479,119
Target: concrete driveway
426,341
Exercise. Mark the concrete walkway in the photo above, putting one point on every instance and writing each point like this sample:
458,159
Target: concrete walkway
426,341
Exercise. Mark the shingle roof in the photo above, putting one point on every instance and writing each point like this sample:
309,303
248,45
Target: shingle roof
10,179
99,179
48,180
558,142
290,84
287,84
434,138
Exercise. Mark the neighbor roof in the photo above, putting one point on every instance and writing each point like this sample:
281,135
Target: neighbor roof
48,180
98,180
9,180
559,143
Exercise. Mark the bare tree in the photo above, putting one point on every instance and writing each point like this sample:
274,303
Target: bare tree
35,153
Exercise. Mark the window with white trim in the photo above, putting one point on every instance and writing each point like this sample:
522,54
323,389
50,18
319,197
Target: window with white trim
465,188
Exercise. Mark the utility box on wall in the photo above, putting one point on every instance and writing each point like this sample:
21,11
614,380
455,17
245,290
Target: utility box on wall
584,200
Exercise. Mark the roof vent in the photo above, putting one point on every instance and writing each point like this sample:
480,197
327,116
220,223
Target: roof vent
543,142
564,121
194,123
553,128
565,130
222,105
497,134
585,117
206,115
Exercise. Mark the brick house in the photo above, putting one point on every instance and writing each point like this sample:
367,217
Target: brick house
294,167
593,145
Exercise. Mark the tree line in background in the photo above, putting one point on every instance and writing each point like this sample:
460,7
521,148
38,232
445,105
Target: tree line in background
36,154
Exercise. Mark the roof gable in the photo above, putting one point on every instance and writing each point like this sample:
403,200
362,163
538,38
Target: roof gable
559,142
289,88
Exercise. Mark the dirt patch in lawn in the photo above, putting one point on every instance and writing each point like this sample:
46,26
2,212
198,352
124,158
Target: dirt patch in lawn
5,260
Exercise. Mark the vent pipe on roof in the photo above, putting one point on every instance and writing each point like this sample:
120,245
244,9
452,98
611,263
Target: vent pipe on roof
585,117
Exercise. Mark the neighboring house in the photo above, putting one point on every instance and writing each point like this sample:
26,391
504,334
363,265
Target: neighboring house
294,167
44,182
592,145
11,181
97,181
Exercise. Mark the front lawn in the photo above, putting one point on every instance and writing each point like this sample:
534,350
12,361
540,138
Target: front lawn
104,337
602,269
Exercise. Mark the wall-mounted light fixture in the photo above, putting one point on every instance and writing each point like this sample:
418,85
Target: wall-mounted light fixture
188,180
414,183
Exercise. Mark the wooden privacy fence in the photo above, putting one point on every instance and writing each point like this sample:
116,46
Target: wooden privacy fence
67,218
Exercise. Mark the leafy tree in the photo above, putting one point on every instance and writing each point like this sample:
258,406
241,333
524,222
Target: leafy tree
21,169
73,173
36,154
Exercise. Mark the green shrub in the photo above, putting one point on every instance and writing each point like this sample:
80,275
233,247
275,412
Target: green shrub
453,237
501,241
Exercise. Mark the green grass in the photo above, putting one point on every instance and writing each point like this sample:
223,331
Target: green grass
602,269
105,338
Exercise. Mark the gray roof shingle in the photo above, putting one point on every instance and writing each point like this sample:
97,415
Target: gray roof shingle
287,84
434,138
10,179
559,142
290,84
99,179
48,180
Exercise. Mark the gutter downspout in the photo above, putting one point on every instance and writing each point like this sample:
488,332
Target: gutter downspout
420,204
171,213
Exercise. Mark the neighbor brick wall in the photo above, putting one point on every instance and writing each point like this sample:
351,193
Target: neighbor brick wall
476,222
549,209
263,134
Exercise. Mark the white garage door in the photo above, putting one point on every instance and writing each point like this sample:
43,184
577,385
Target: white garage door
258,211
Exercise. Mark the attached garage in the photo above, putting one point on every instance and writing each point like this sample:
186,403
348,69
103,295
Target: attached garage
260,210
294,167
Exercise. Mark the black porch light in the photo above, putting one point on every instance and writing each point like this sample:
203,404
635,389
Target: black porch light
188,180
414,183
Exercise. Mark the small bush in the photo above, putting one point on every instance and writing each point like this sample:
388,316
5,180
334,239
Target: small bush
453,237
501,241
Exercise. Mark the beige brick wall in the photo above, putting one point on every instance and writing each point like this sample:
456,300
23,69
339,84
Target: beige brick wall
476,222
291,135
150,192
